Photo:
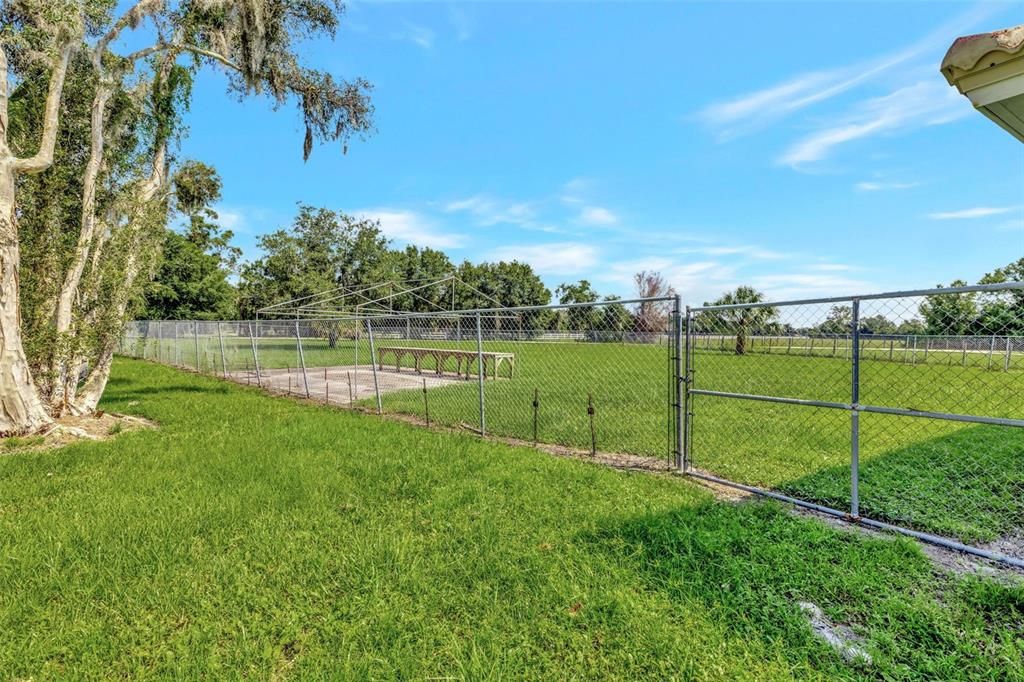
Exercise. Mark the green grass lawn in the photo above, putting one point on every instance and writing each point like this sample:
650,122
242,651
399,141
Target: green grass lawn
950,478
251,536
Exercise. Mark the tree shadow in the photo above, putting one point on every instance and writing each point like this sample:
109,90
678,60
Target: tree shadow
967,484
749,565
166,389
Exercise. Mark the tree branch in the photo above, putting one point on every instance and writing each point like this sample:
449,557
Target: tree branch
216,56
44,157
130,18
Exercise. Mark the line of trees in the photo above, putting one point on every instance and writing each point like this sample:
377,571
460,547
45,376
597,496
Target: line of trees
941,314
323,249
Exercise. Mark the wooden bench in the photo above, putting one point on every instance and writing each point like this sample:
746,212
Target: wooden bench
441,355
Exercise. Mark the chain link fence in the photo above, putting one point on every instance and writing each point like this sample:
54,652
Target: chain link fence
900,411
591,377
824,403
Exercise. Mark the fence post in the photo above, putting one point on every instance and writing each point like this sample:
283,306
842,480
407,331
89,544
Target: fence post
373,366
255,355
480,374
677,367
223,357
195,335
302,359
1006,364
855,415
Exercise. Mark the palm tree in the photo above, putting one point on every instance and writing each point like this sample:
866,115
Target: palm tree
744,319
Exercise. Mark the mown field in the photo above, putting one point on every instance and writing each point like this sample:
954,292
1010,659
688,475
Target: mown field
961,480
250,536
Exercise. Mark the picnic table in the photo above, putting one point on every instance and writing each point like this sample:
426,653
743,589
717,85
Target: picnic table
440,356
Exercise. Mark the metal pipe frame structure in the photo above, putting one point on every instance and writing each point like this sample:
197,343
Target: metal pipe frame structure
319,305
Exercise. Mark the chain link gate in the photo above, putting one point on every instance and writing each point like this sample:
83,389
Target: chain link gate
899,411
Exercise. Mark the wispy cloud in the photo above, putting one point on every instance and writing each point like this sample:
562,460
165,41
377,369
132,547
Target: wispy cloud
573,190
755,110
411,227
461,22
831,267
925,103
597,215
1011,226
491,211
417,34
873,186
695,281
230,219
800,284
970,213
747,250
557,258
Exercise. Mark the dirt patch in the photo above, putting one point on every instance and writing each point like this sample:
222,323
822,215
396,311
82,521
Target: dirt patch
67,430
1010,545
725,493
945,559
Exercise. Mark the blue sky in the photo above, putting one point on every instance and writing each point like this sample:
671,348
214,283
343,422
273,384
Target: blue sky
806,149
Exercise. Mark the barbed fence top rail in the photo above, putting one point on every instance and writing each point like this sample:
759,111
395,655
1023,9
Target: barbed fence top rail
975,288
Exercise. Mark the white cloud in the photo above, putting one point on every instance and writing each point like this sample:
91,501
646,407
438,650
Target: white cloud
558,258
749,251
925,103
416,34
968,213
490,211
597,215
831,267
696,281
572,191
758,109
873,186
807,285
411,227
230,219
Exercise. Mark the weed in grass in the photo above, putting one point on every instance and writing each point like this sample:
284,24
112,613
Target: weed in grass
21,442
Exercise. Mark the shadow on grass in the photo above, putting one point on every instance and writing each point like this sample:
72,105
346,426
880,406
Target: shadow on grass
968,484
749,564
127,394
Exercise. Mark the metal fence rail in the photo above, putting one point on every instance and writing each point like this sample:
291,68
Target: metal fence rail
803,401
